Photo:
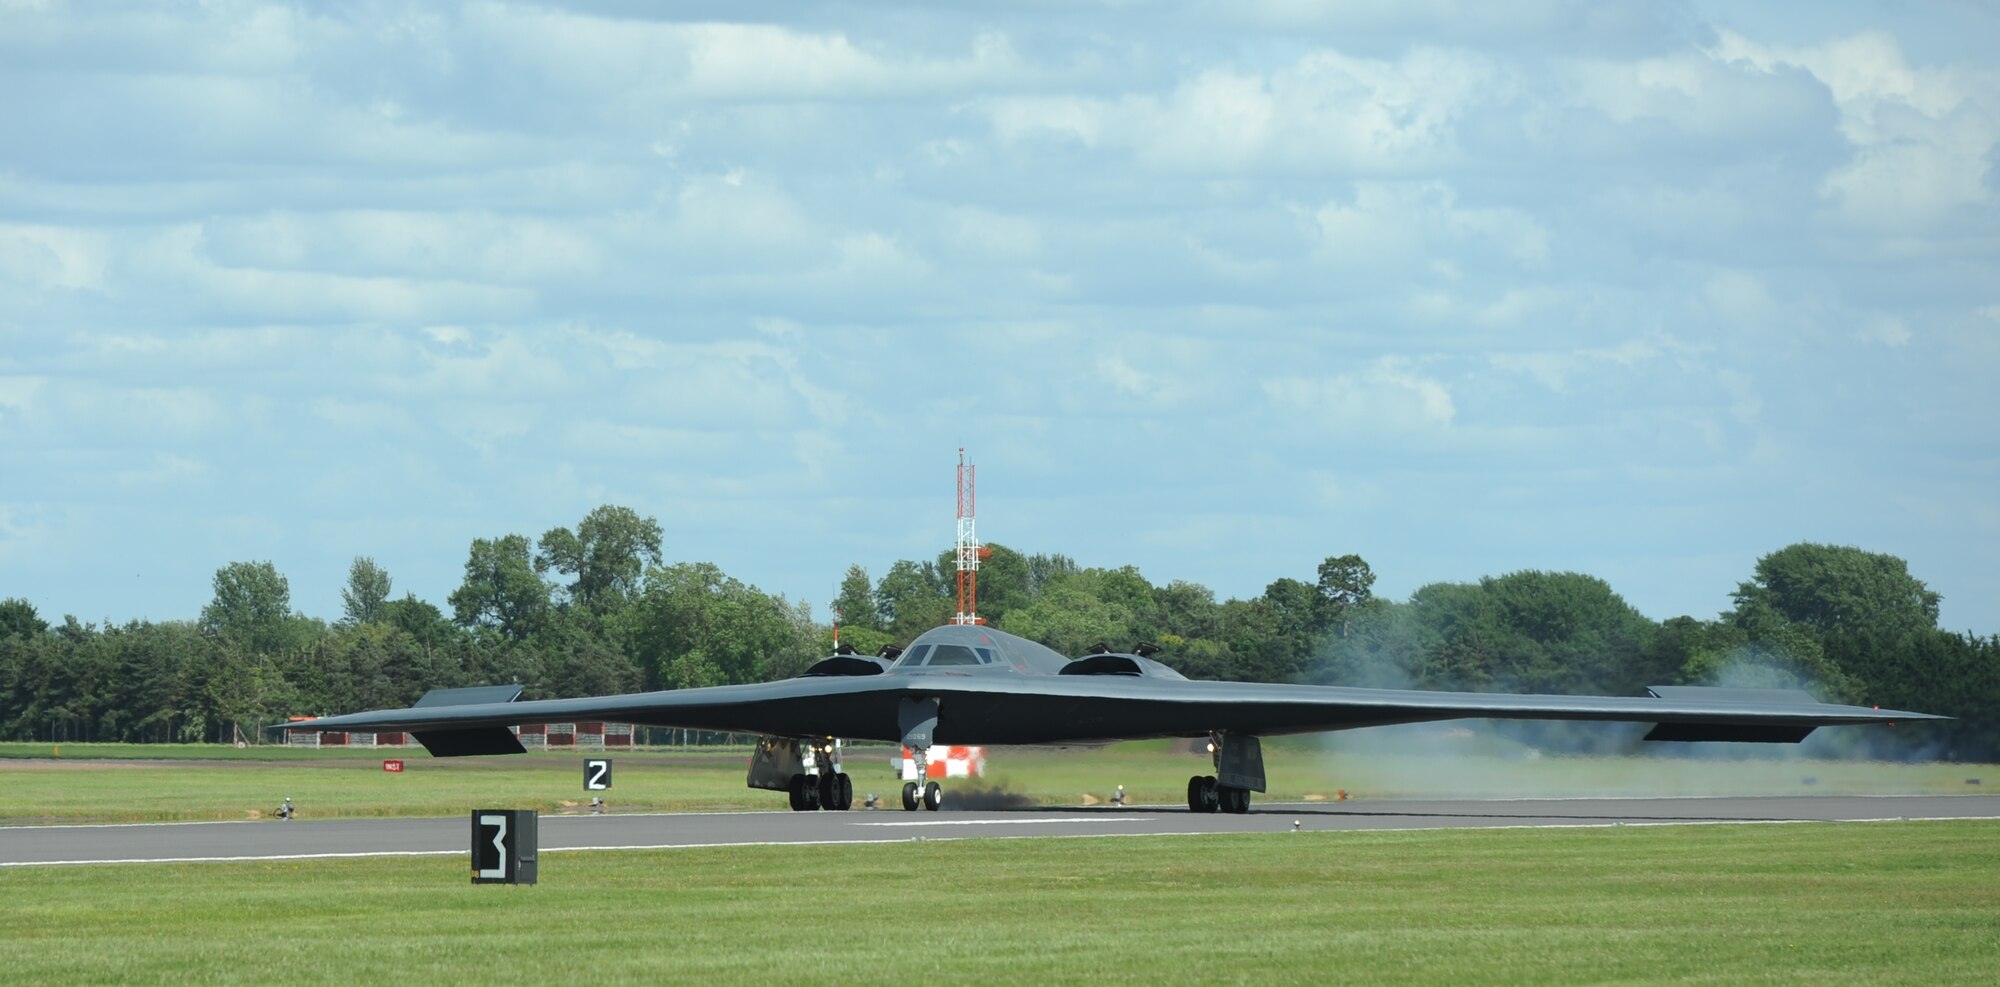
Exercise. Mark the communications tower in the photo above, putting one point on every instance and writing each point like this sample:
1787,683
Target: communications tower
969,550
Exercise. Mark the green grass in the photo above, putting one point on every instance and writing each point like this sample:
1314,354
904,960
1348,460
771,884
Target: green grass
1915,903
75,790
18,750
130,783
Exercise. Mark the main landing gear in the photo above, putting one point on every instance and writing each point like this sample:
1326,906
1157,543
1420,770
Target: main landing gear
1239,763
805,769
1205,795
833,790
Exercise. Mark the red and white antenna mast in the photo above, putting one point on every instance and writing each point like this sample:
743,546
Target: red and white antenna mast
969,551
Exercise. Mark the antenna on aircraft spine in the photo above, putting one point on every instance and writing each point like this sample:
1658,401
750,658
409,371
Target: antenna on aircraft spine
969,551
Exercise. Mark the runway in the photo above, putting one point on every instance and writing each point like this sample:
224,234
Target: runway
305,838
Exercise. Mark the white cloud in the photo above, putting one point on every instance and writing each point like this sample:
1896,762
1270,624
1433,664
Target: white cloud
1067,117
1923,137
1699,95
1556,369
639,62
717,213
1326,109
1390,395
1400,224
19,394
1741,300
1887,330
47,257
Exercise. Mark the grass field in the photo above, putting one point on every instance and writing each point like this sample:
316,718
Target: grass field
182,782
1912,903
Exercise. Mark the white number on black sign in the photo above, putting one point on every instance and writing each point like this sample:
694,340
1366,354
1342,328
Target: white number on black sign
495,822
597,774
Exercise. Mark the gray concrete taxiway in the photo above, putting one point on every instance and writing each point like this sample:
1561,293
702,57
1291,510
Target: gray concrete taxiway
332,838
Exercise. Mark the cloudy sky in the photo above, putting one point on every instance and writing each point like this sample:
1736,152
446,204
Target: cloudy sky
1636,289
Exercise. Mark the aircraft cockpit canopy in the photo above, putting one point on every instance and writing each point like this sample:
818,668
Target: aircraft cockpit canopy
941,655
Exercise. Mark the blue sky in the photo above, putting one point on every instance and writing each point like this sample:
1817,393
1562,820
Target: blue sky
1640,290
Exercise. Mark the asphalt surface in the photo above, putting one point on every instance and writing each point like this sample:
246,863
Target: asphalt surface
331,838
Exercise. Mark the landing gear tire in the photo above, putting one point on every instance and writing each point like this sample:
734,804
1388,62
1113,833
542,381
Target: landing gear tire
828,786
910,797
1203,794
805,793
933,796
846,788
1236,800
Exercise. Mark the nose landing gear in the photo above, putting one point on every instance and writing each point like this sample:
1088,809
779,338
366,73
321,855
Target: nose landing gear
921,794
930,796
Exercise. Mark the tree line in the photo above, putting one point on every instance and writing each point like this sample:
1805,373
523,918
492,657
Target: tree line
598,610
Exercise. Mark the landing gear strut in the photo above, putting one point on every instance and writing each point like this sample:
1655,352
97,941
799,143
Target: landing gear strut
1239,770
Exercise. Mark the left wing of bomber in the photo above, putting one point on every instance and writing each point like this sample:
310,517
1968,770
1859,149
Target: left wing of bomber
459,722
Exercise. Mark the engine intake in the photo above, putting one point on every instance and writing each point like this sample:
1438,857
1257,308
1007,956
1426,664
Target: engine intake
848,665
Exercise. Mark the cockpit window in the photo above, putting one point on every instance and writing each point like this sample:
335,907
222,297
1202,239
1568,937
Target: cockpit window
954,654
915,657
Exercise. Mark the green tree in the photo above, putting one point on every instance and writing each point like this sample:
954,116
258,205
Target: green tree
1291,636
1265,640
1566,632
1124,587
1187,610
574,660
864,640
1389,646
1836,589
251,605
424,623
1345,589
1047,568
19,619
911,598
691,670
366,592
605,557
746,635
501,590
855,606
251,689
1070,618
1836,618
1004,581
